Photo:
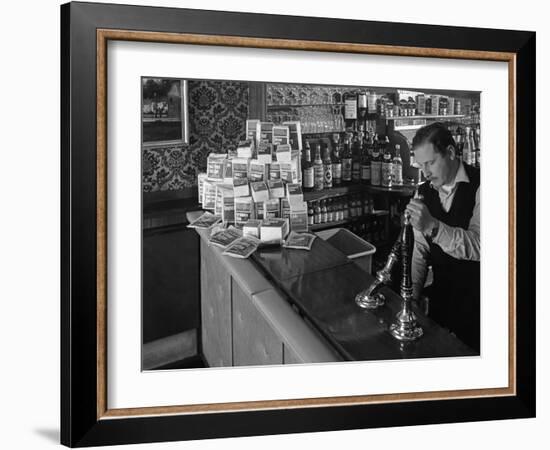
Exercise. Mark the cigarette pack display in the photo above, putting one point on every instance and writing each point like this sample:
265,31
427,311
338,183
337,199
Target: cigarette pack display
200,182
266,132
273,230
241,188
228,171
223,238
205,221
244,210
240,168
295,128
298,221
283,153
253,131
294,194
215,166
274,171
297,160
281,135
209,195
300,241
276,188
242,247
245,149
285,208
252,228
289,172
225,196
264,153
272,208
257,171
259,210
259,190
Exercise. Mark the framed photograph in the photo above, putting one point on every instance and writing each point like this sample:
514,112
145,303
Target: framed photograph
199,146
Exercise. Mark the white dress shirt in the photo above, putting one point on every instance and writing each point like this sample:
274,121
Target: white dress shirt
455,241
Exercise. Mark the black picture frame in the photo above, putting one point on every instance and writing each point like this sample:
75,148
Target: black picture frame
81,422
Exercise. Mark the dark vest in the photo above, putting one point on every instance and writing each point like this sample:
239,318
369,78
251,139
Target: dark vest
454,295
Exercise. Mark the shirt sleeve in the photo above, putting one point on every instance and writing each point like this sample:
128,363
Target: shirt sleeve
458,242
419,267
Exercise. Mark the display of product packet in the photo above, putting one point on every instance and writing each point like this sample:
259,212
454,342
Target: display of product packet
242,247
200,182
252,228
228,171
259,210
283,153
241,188
253,131
209,195
221,191
285,208
281,135
227,202
274,171
273,230
266,132
260,192
298,217
215,166
244,210
240,168
295,128
289,171
272,208
294,195
224,238
264,153
299,241
245,149
257,171
205,221
276,189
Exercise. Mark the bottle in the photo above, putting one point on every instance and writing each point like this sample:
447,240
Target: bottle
317,213
346,162
397,166
356,158
376,163
308,179
478,145
467,149
345,208
414,166
365,160
318,170
387,165
330,210
327,168
324,212
459,143
362,108
350,110
310,214
336,161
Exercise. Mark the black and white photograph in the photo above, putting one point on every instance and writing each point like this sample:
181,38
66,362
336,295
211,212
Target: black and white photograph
307,223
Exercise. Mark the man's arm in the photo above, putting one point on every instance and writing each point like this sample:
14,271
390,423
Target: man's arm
419,267
458,242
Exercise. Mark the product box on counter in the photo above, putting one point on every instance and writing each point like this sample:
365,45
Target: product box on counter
239,169
289,171
209,195
253,131
221,191
276,188
294,194
264,153
227,202
260,192
298,217
274,171
252,228
281,135
266,132
257,171
273,230
283,153
228,171
295,128
272,208
215,166
201,177
241,188
244,210
285,208
245,149
259,210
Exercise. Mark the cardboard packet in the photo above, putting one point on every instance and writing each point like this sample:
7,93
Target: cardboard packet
242,247
205,221
299,241
224,238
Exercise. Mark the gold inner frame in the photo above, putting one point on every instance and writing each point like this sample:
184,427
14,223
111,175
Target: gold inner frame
103,36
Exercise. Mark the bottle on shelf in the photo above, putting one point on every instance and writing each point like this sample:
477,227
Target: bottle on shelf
478,146
365,159
317,213
336,161
345,208
346,161
318,170
415,166
362,108
330,210
327,168
308,178
310,214
376,163
350,110
459,143
397,166
356,158
467,150
387,165
324,212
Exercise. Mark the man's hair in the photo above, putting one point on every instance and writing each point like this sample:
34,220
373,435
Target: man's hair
437,134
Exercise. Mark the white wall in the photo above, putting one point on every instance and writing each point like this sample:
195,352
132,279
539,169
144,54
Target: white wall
29,227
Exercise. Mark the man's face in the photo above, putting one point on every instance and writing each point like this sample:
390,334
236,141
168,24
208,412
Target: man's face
437,168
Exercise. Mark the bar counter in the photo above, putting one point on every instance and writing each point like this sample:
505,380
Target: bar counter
320,286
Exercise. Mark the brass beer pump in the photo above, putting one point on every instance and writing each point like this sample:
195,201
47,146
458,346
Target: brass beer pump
405,327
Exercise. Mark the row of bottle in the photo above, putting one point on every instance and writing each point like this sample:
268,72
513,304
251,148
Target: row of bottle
361,158
468,145
336,209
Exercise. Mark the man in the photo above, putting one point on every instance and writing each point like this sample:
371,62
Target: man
447,227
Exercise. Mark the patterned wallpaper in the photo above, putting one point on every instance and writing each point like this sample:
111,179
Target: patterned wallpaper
217,119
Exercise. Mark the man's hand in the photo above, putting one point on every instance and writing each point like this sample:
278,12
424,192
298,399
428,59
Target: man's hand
421,219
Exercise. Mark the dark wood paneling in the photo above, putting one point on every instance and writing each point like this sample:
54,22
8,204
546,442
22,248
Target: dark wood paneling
256,100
